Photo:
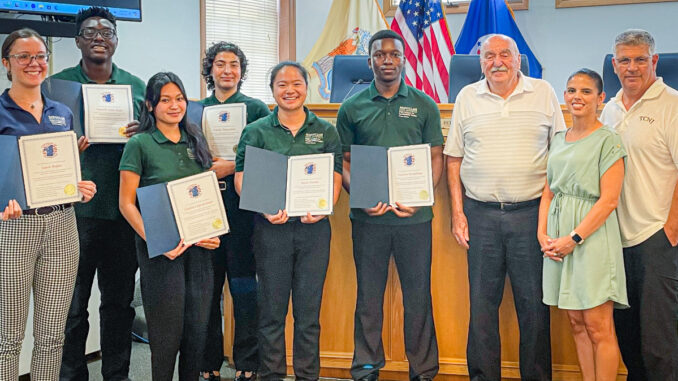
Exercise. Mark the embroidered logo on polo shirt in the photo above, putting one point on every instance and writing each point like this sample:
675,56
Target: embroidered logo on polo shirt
313,137
190,153
407,112
646,119
57,120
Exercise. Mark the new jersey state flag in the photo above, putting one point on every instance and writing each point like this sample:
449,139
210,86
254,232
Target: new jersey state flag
350,25
492,16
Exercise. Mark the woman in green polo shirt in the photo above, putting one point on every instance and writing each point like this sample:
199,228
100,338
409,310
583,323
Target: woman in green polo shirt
291,254
176,287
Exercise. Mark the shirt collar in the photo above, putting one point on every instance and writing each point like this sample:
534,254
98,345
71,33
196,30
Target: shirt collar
7,102
523,86
114,74
310,118
158,136
232,99
374,93
652,92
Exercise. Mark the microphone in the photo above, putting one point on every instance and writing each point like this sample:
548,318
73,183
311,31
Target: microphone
359,81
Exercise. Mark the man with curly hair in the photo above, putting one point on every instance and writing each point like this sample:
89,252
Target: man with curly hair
224,69
106,239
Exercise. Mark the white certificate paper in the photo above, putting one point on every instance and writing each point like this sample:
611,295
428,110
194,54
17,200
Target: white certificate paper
198,207
222,126
108,109
310,185
409,175
51,168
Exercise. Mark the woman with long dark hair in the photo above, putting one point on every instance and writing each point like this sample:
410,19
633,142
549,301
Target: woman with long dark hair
176,287
38,247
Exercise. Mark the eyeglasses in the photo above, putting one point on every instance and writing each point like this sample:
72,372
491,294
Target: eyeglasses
91,33
395,56
638,61
26,59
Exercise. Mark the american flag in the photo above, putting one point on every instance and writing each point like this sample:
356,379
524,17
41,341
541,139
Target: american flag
428,46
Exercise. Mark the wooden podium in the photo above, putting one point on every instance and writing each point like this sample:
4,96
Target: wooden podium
449,287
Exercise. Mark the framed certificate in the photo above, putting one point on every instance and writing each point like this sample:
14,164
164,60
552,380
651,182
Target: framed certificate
299,184
43,168
390,175
190,208
222,126
107,110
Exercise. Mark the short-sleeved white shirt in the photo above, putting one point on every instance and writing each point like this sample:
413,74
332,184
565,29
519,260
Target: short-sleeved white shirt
504,142
649,130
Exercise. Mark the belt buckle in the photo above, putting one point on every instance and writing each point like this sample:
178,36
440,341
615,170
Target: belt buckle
502,204
222,185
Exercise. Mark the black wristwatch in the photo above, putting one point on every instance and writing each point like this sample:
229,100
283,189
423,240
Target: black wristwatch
576,238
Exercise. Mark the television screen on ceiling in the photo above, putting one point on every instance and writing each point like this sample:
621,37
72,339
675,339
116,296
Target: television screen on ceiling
129,10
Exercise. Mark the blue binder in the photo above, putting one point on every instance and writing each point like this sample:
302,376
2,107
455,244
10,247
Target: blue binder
11,175
194,113
369,176
264,181
70,94
162,234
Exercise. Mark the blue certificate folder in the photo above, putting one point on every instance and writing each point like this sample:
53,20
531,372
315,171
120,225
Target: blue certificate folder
194,113
68,93
162,233
264,182
11,175
369,176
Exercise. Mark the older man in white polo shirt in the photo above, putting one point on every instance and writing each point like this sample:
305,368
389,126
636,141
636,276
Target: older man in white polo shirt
497,147
645,113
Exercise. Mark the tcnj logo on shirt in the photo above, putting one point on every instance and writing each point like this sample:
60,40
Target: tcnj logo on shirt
190,153
646,119
57,120
313,138
407,112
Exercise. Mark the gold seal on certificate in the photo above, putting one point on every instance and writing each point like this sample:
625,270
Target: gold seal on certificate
198,207
409,170
51,168
106,108
222,126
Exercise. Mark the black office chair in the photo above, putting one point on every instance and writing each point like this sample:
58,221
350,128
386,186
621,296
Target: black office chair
465,69
350,74
667,68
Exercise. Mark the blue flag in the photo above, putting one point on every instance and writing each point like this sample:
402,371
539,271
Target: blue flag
492,16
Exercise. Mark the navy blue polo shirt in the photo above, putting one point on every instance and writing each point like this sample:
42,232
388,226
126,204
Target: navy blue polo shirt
16,121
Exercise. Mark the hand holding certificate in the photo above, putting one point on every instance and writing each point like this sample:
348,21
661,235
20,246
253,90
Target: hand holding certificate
298,184
222,126
108,110
188,209
40,170
391,175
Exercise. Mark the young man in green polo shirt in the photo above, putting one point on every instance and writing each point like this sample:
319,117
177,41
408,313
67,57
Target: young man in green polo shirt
224,69
106,240
390,113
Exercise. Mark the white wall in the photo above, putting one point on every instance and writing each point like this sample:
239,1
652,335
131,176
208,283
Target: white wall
563,40
167,39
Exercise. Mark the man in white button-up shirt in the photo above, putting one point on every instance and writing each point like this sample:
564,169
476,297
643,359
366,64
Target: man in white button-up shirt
497,147
645,113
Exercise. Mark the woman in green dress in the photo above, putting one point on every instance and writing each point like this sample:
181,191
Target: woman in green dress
578,229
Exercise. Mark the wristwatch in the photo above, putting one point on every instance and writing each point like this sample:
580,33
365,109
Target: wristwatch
576,238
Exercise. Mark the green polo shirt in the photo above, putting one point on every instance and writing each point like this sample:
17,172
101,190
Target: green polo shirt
314,136
99,162
256,109
409,117
157,159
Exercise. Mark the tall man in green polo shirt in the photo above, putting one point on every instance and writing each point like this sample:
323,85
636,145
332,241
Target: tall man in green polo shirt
224,69
389,113
106,240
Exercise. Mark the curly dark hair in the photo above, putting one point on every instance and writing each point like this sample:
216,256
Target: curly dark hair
86,13
211,54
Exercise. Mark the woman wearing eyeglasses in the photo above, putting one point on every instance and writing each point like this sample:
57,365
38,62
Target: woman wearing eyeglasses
38,247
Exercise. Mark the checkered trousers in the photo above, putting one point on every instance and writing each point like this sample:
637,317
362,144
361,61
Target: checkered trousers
39,252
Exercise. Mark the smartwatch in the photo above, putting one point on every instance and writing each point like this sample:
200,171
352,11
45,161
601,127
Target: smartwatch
576,238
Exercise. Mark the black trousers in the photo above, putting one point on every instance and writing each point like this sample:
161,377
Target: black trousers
648,331
410,246
176,295
234,258
505,242
107,248
291,257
